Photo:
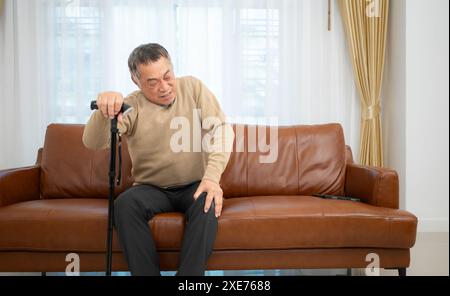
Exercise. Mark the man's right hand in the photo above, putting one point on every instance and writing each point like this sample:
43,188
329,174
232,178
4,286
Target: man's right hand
110,103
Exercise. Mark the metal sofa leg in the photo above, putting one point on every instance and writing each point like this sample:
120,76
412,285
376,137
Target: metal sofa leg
402,271
43,273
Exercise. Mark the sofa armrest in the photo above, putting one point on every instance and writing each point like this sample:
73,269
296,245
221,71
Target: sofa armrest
21,184
376,186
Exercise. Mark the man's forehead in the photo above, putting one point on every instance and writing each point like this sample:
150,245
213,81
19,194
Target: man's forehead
155,70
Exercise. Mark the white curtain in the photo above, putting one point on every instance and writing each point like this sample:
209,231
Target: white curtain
262,59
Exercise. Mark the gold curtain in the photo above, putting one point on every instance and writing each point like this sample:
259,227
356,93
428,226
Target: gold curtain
365,23
1,7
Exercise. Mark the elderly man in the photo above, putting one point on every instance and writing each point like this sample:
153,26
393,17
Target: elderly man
167,178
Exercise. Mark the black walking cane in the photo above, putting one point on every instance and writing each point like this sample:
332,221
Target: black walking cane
112,174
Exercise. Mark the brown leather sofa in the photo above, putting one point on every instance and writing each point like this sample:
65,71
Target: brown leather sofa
270,219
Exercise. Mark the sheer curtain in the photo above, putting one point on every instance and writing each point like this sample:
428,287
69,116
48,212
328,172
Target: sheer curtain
262,59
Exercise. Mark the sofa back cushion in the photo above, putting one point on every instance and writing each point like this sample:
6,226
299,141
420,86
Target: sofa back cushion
70,170
311,159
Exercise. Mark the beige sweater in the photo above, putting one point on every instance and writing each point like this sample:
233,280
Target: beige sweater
165,143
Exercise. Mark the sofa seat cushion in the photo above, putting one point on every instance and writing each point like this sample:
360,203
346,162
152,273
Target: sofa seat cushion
290,222
73,225
248,223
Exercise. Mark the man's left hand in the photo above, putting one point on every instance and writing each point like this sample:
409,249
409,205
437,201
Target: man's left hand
213,192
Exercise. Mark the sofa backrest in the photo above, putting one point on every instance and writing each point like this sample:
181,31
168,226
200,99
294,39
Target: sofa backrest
310,159
70,170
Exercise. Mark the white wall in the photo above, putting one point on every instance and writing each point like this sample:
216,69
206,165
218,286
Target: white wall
416,142
394,95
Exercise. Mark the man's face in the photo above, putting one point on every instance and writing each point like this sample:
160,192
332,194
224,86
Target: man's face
157,81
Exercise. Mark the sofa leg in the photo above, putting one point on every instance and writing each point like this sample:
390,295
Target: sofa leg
401,271
43,273
349,272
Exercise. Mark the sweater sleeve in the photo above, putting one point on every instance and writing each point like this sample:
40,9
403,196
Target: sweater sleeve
219,134
96,135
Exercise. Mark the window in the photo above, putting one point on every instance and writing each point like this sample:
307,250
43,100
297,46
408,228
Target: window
80,65
77,60
259,29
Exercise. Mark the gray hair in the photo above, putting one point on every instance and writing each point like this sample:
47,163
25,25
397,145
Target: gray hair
144,54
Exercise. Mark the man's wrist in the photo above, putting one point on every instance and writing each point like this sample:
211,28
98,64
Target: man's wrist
210,179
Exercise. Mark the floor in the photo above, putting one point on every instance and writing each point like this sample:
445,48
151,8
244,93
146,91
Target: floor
429,257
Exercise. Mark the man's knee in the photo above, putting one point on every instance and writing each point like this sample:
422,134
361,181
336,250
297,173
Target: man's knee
199,205
126,204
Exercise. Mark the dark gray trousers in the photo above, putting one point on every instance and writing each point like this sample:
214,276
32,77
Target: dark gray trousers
140,203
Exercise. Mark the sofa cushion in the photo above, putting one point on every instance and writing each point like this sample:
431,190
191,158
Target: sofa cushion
285,222
248,223
310,159
70,170
321,159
